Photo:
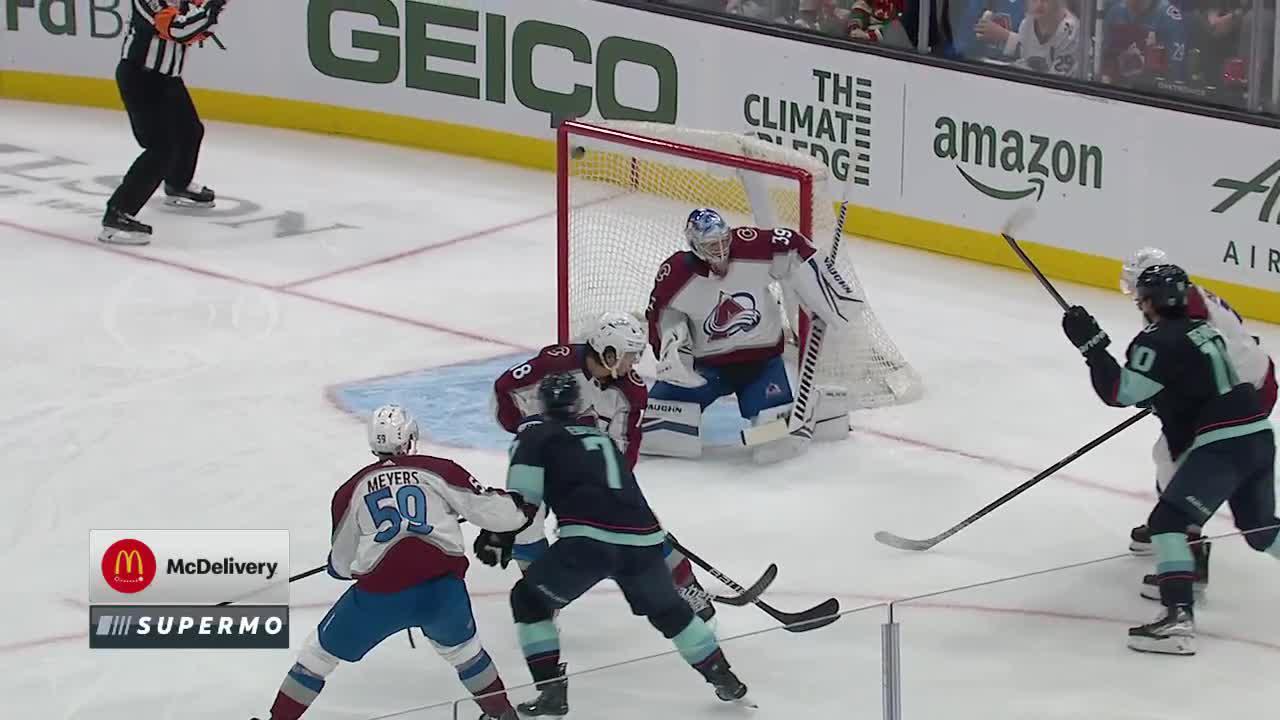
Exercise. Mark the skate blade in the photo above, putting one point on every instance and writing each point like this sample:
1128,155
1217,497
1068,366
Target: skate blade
180,202
1141,549
1173,645
121,237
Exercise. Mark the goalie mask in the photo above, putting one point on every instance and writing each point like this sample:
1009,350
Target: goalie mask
1137,262
708,237
392,431
618,341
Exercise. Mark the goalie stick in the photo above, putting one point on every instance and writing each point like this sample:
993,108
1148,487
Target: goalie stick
820,615
800,421
1019,218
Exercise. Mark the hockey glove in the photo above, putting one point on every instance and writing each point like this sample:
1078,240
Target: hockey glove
1083,331
494,549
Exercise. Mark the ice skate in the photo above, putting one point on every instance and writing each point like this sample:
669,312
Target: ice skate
1200,551
192,196
1172,633
508,715
121,228
727,685
552,700
1140,541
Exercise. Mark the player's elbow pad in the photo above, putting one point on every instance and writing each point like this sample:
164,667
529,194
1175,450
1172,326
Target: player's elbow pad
824,292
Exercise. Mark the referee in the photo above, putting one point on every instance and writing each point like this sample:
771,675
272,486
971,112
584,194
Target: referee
161,113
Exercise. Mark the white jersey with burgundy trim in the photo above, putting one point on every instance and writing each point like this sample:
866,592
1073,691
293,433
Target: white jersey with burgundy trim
731,319
395,522
1250,360
615,406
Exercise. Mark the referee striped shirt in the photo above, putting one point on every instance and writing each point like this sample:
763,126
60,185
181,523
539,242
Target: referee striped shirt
158,34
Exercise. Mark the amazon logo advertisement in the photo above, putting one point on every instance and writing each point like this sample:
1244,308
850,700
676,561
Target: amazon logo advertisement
1016,165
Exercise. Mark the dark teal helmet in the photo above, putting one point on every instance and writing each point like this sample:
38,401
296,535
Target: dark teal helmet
1166,286
561,397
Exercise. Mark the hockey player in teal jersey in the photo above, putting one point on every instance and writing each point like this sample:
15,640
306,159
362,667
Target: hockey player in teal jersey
1218,435
606,531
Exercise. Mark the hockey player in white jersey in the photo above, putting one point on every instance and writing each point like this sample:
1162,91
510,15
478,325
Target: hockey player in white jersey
717,331
1247,355
614,398
396,533
1047,41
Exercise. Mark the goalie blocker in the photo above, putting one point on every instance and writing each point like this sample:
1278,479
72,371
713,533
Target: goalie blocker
717,331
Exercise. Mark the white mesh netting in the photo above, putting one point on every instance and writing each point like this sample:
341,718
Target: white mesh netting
627,207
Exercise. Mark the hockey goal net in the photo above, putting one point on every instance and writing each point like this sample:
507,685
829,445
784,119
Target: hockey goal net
624,190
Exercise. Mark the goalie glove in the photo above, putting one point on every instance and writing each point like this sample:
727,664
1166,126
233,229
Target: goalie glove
676,364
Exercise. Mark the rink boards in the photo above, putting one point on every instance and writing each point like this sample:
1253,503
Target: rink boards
939,159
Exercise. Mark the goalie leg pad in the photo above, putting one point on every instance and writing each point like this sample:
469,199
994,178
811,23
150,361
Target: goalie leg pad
831,416
672,428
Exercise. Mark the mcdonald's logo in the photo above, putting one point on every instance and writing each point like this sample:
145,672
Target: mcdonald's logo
129,566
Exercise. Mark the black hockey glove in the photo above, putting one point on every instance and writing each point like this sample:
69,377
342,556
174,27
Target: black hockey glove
1083,331
494,549
213,8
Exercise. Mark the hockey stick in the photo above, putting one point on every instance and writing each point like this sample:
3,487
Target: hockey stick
292,578
1019,218
902,543
815,617
800,421
744,596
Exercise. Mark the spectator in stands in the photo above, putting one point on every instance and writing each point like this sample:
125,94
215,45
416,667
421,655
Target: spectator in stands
1222,33
878,21
1047,41
768,10
967,15
1143,41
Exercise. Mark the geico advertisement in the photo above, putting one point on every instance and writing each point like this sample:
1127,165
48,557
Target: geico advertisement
188,566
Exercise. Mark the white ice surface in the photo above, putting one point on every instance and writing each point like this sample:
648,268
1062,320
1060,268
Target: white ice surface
184,385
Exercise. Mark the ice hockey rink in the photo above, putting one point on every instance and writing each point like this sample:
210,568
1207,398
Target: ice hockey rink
215,379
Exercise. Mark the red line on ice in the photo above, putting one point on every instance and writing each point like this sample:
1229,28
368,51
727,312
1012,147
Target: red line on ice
474,235
420,250
114,250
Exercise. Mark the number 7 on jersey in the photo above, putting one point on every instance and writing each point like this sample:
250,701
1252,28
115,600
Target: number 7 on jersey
605,446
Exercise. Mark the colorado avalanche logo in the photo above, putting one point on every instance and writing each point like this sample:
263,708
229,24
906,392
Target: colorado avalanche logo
732,314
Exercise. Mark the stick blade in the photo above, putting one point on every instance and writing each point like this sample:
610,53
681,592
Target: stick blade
753,592
818,616
1018,221
766,433
901,543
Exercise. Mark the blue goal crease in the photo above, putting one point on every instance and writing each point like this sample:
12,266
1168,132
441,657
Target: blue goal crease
453,404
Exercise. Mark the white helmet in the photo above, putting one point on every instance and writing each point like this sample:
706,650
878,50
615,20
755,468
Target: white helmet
392,431
620,332
1137,262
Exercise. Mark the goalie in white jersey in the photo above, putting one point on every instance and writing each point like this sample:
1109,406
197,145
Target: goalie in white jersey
396,533
1244,350
717,331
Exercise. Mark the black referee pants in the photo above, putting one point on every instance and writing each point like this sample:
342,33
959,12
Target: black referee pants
166,125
